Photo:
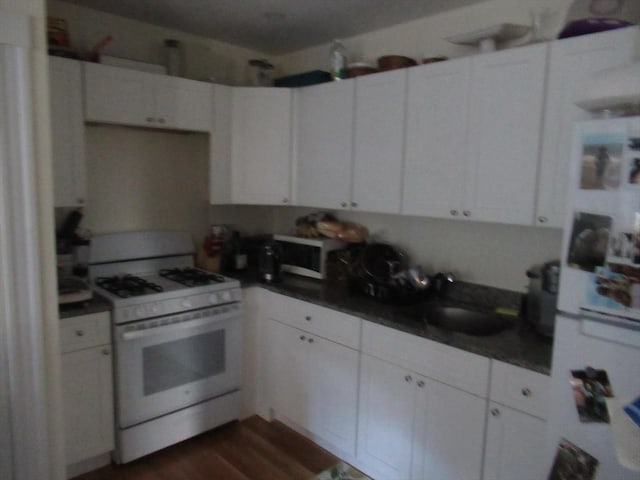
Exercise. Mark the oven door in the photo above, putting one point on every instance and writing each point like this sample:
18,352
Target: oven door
169,363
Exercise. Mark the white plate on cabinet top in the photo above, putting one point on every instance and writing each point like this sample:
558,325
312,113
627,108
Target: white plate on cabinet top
486,38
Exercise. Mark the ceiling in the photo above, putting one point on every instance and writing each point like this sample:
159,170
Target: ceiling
274,26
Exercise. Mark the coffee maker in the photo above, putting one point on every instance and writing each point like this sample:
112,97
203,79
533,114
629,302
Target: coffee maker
269,262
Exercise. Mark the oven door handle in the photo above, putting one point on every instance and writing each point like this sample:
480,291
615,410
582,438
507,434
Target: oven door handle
150,332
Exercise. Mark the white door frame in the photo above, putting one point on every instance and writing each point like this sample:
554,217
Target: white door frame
23,405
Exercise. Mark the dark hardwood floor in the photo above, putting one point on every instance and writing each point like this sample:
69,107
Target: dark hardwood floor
252,449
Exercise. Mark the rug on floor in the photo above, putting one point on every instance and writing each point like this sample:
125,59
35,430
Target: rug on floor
341,471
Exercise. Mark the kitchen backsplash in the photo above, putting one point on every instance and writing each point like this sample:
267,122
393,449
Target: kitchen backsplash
482,253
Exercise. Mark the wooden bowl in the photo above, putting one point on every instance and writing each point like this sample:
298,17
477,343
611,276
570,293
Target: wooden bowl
356,70
392,62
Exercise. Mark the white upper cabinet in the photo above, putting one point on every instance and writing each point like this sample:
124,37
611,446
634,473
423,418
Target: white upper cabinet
571,63
436,136
473,133
67,124
507,93
220,146
130,97
261,146
378,142
324,136
184,104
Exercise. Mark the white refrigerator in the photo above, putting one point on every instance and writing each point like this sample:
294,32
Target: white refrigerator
596,362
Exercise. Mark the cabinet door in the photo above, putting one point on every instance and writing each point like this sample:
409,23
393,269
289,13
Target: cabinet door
183,104
324,128
378,142
332,380
287,373
385,418
220,147
505,122
571,63
314,383
88,403
450,433
118,95
515,445
67,124
436,136
261,142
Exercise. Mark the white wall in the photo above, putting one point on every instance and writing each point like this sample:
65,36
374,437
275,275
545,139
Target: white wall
489,254
45,229
425,37
120,159
204,58
141,179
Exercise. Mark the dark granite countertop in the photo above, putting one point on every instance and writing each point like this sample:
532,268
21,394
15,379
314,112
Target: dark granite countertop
96,305
519,345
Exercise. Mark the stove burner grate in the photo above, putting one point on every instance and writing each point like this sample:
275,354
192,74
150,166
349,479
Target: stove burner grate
127,285
191,277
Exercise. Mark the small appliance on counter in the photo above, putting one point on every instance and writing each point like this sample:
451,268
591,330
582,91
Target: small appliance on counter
542,297
270,262
306,256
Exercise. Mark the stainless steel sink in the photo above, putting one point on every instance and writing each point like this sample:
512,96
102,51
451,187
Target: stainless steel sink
459,319
467,321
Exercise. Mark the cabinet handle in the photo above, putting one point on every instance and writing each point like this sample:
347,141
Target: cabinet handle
161,120
311,340
467,213
542,219
80,333
526,392
303,338
420,383
106,352
285,200
454,213
344,204
150,119
495,412
308,318
354,204
408,378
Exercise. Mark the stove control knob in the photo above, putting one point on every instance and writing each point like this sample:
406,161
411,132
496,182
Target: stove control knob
213,299
186,303
139,312
155,309
226,296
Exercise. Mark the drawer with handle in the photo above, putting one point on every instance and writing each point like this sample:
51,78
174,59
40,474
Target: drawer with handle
331,324
519,388
85,331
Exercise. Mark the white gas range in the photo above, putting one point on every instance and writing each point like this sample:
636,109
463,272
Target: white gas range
177,339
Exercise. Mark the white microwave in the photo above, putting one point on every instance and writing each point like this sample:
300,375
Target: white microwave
306,256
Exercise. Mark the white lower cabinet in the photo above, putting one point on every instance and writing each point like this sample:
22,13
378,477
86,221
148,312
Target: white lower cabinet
313,382
413,427
516,425
87,385
515,445
395,405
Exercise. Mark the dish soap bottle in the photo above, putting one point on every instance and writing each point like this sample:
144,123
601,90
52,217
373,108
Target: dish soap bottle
338,60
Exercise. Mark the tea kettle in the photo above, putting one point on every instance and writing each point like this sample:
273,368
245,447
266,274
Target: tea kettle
269,262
